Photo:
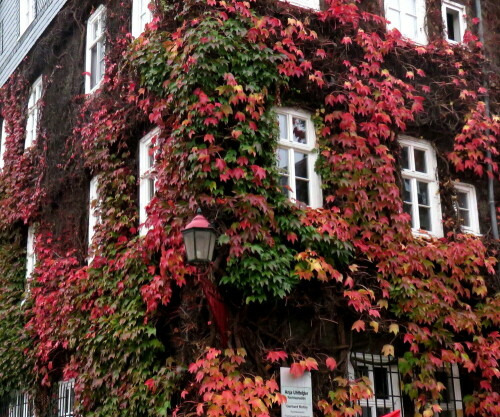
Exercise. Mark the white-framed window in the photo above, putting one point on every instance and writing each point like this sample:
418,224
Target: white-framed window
66,398
93,203
146,178
297,155
27,13
454,20
141,15
308,4
21,405
33,112
383,375
30,254
94,59
451,401
3,141
466,207
420,185
407,16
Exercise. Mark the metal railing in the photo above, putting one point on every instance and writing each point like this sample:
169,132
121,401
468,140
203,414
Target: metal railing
384,377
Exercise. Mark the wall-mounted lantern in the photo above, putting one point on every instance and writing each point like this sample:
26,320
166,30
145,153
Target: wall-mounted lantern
199,240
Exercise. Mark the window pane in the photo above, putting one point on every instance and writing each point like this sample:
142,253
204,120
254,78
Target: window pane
408,6
302,190
361,371
283,160
394,17
462,200
299,130
301,165
405,154
450,25
283,123
409,27
407,209
442,376
93,66
101,60
464,217
420,164
366,412
284,184
407,190
424,214
151,158
151,188
423,193
380,381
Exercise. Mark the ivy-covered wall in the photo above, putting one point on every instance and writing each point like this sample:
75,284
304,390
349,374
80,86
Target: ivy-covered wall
137,327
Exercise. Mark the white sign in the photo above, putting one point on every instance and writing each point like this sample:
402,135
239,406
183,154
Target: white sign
298,393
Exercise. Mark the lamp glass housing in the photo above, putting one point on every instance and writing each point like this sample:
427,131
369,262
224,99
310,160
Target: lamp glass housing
200,244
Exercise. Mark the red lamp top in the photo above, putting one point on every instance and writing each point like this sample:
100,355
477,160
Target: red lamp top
199,221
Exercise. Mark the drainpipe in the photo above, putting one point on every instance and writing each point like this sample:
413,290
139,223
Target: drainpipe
491,190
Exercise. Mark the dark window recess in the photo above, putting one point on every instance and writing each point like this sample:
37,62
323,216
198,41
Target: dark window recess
450,23
380,377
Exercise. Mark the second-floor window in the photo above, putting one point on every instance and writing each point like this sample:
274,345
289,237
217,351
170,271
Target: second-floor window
146,178
27,13
454,20
408,17
466,207
94,61
297,156
33,112
420,185
141,15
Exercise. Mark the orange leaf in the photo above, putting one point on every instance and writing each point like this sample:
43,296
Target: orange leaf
331,363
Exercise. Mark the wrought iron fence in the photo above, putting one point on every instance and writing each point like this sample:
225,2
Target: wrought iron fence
386,384
385,381
61,403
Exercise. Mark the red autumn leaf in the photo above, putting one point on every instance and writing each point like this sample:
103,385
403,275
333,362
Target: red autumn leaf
331,364
240,116
310,364
259,172
236,134
277,355
297,369
358,325
237,173
321,53
209,138
150,383
220,164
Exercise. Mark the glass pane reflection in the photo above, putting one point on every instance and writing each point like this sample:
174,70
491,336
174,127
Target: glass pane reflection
299,130
301,165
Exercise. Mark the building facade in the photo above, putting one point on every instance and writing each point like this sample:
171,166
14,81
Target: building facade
346,155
